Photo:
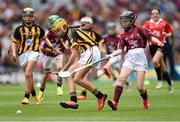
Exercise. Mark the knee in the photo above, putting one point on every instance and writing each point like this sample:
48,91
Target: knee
28,74
122,79
77,80
155,62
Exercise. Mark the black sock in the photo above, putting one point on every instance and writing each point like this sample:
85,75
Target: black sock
167,78
144,95
97,93
74,99
158,72
127,83
33,93
59,84
84,92
42,89
114,78
27,95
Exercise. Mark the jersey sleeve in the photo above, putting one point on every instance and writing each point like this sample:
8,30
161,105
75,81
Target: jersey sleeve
145,33
42,33
121,43
146,24
72,37
15,37
98,37
168,28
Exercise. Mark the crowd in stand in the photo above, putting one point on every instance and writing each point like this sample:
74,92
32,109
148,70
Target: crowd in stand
101,11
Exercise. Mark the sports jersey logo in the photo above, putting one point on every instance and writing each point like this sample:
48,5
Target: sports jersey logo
133,43
29,42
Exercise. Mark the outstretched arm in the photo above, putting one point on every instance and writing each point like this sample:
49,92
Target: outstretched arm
115,53
155,40
72,58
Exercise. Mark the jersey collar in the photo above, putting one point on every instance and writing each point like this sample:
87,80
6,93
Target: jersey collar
157,21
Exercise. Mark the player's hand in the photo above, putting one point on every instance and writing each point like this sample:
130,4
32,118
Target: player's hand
161,44
108,56
57,51
13,58
164,33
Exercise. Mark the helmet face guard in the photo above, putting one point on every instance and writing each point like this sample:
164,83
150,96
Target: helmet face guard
127,19
111,28
28,15
59,27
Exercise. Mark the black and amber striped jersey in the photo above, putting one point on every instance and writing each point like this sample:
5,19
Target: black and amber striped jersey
79,38
28,38
97,37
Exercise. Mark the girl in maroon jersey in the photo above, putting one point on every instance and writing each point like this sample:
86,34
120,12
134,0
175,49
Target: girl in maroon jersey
52,55
134,39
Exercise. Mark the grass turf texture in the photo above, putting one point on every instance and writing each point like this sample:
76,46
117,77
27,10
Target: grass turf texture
163,106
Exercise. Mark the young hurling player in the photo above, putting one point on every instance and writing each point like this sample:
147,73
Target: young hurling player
26,39
160,29
134,39
52,55
83,46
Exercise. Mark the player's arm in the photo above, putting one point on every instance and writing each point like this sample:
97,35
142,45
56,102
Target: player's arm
146,33
167,31
167,34
15,41
48,42
49,48
101,47
13,49
74,55
115,53
155,40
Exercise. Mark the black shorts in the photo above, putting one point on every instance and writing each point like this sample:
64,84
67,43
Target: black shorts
154,48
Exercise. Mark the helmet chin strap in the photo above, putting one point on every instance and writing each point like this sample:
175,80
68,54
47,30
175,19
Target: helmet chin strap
29,24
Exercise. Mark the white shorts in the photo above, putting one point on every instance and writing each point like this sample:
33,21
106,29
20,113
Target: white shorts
48,61
90,55
27,56
136,59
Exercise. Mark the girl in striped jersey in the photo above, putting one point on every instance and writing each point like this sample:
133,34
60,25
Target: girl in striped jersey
83,46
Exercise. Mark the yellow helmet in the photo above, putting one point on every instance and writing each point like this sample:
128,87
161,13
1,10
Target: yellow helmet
59,25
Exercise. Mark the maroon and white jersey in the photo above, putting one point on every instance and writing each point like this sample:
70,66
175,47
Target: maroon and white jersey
56,42
111,43
134,38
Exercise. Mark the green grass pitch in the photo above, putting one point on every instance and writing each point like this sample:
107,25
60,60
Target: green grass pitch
163,106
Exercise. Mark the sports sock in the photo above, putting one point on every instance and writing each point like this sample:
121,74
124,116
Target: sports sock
73,97
59,83
42,89
144,95
117,93
84,92
158,72
97,93
114,78
33,93
27,95
167,78
127,83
